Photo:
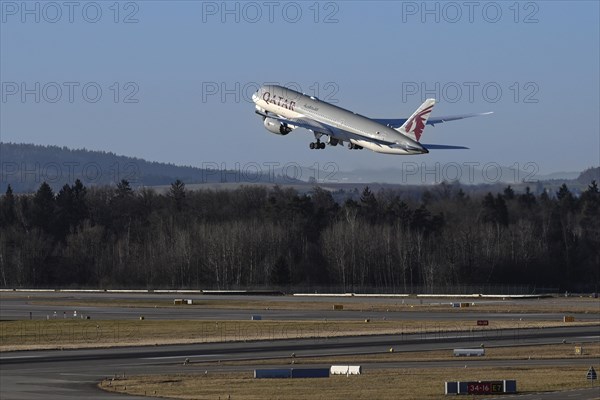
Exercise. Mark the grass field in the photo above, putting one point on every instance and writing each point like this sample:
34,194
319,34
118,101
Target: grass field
77,333
392,384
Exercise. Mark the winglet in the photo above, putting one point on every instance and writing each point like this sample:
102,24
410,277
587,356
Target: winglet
415,125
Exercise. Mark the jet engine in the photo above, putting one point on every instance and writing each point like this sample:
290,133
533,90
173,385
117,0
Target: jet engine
276,127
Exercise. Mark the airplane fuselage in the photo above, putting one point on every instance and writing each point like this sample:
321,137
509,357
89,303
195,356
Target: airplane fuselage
338,123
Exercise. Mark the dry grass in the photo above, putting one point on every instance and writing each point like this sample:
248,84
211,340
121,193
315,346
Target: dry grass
396,384
570,305
60,333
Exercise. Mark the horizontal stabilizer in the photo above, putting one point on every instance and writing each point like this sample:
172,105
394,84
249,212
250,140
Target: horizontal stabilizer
397,122
439,120
443,147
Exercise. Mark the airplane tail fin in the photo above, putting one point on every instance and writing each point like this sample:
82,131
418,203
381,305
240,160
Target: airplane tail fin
415,125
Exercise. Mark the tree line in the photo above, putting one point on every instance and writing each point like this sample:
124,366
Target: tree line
24,166
256,236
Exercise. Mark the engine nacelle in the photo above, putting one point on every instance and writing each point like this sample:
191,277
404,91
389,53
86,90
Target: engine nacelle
276,127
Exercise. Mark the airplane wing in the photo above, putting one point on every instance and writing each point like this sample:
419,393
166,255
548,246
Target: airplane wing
398,122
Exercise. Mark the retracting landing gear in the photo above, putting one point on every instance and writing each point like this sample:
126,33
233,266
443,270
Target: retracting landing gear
318,145
353,146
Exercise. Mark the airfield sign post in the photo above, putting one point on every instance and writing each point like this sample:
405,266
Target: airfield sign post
489,387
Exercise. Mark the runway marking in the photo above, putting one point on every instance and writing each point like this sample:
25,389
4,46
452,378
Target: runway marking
16,357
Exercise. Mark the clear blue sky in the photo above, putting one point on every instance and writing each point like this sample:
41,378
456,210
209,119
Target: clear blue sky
377,58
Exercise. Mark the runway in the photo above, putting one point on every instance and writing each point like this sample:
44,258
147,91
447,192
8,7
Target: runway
74,374
19,308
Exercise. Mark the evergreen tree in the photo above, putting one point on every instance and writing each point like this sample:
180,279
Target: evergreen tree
124,189
489,208
590,213
368,205
123,206
565,198
7,207
461,196
591,194
177,194
71,207
398,210
509,193
43,207
325,207
527,199
494,209
501,210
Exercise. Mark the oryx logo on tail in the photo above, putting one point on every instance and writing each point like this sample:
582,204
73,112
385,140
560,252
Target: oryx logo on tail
415,125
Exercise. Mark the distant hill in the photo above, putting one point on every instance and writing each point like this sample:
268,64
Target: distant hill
26,166
590,174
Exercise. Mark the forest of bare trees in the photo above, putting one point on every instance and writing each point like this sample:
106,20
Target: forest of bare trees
107,237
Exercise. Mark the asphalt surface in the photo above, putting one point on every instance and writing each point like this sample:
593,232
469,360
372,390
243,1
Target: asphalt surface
19,308
74,374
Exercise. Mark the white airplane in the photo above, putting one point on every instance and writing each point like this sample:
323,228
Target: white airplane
284,110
